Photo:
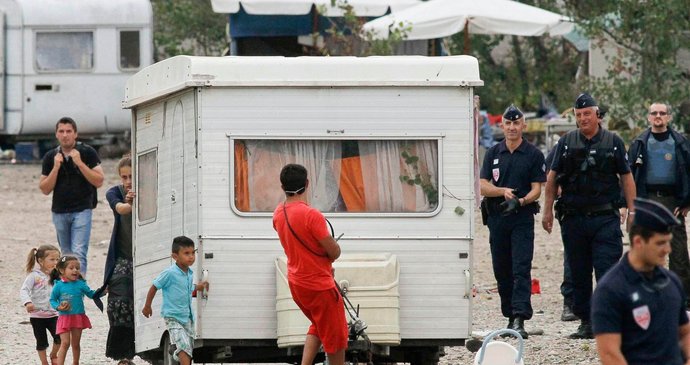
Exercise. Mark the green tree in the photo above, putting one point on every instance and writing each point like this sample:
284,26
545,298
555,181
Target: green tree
652,36
346,36
187,27
532,69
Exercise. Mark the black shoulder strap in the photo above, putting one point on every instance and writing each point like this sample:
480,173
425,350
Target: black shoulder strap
606,139
295,234
572,139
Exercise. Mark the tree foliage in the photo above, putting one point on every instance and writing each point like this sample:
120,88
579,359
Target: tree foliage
532,72
346,35
653,35
187,27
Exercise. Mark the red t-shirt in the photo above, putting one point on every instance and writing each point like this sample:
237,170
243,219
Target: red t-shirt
305,268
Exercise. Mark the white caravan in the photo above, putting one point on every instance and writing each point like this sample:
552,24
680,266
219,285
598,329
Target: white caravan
69,58
389,146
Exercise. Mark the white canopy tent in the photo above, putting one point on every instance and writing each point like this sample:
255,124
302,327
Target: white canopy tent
443,18
301,7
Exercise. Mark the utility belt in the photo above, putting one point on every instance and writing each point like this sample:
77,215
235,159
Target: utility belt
660,191
564,210
493,207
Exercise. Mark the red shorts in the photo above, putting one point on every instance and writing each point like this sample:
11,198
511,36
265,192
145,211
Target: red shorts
67,322
326,311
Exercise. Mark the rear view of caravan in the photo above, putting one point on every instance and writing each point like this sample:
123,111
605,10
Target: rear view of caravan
389,146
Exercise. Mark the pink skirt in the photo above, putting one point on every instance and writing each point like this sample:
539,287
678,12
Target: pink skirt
67,322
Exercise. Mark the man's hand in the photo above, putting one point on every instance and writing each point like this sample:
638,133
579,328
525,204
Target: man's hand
678,211
76,156
58,160
30,307
508,194
147,312
547,220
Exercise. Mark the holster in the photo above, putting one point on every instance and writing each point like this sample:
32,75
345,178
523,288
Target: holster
485,211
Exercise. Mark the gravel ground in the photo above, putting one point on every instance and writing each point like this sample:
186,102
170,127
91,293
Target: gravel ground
25,222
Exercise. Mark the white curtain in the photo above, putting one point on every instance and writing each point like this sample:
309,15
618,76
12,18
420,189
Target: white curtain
383,165
267,157
382,187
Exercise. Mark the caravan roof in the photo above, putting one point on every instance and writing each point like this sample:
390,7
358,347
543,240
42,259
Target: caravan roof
176,73
82,12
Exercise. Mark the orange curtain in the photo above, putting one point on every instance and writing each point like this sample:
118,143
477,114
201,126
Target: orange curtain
352,184
241,177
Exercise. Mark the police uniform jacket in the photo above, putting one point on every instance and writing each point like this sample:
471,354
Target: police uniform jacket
597,183
517,170
637,156
646,310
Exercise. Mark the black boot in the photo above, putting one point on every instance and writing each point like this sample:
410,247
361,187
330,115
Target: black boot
519,327
584,331
567,315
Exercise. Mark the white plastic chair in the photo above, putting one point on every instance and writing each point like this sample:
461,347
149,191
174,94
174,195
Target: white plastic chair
499,352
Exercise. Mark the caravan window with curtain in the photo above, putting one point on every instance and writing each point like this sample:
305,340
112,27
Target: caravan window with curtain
64,51
345,176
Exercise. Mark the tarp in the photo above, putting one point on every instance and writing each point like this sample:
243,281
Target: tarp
443,18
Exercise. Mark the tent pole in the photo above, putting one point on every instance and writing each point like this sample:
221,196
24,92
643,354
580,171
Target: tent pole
466,36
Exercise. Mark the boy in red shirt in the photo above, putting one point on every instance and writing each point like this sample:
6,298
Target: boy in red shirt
310,250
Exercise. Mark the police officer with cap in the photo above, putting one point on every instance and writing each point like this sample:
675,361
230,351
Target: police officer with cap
638,308
510,179
590,165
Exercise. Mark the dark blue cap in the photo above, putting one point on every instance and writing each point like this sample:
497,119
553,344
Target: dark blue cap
512,113
584,100
654,216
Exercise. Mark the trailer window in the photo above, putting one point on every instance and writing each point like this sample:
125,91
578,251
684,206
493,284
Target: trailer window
147,189
129,49
363,176
64,51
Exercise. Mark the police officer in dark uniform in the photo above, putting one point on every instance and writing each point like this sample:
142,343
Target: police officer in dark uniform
567,314
638,308
660,163
510,179
590,165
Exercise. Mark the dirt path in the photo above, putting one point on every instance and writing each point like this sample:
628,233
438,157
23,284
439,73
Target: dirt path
25,222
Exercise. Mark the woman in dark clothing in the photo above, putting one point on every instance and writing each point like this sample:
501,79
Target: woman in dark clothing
119,279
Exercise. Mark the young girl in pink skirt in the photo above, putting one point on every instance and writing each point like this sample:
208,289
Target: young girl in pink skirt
69,288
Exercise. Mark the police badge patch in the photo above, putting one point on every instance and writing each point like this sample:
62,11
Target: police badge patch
496,174
642,316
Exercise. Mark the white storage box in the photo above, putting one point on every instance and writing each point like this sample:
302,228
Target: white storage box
371,281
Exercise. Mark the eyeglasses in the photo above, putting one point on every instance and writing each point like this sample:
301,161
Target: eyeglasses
658,113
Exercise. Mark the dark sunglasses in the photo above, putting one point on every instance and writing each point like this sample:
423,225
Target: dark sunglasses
658,113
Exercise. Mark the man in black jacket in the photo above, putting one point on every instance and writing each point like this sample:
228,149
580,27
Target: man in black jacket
659,160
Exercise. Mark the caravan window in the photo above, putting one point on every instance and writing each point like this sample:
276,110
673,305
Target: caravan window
147,189
348,176
64,51
129,50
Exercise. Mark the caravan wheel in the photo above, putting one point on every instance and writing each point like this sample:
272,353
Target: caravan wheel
167,354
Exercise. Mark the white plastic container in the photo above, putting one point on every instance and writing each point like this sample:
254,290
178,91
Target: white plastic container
371,281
